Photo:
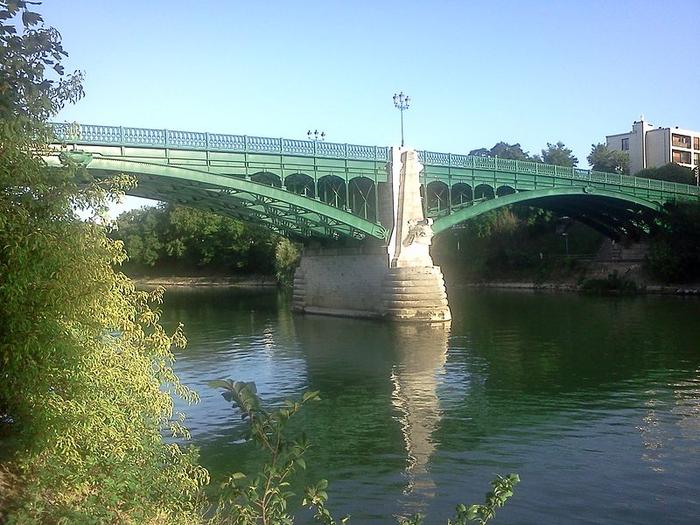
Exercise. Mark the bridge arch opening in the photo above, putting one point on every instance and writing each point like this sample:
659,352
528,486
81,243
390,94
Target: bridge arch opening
363,197
483,191
438,197
332,190
301,184
267,178
502,191
461,194
611,213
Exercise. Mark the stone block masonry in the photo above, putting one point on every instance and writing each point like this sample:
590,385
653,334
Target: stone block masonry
396,282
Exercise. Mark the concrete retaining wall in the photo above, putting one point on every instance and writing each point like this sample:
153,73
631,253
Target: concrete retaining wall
335,282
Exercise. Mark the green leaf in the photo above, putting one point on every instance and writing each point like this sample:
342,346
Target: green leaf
219,383
30,18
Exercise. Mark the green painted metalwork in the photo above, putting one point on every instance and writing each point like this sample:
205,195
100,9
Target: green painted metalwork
322,189
562,196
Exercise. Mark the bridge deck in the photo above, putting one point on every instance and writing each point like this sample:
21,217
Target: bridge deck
331,189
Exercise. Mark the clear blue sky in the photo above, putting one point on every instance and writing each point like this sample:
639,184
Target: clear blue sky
478,72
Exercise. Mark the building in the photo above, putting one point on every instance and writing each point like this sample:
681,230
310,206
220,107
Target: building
651,147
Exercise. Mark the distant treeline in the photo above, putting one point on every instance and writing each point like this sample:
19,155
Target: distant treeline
601,158
515,242
177,240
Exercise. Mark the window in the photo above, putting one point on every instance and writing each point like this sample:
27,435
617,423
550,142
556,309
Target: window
681,157
697,159
696,142
680,141
625,144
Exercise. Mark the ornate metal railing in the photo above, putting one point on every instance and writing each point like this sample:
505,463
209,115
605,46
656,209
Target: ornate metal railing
163,138
431,158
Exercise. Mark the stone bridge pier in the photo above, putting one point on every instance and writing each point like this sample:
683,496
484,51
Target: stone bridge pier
397,281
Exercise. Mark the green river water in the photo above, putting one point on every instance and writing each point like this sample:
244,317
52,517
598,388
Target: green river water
593,401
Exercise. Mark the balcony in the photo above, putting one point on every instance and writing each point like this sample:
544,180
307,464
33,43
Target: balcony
680,141
680,157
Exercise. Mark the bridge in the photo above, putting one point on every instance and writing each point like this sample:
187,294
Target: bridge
310,189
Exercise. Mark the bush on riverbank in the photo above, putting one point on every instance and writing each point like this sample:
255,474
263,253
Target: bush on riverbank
516,243
674,247
86,367
177,240
614,283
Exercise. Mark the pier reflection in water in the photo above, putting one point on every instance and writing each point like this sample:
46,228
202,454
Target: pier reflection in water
595,402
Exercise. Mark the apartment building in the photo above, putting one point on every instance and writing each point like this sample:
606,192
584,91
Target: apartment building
651,147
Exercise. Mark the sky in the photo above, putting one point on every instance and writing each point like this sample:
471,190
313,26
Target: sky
477,72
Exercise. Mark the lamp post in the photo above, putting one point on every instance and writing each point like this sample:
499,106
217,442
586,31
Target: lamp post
316,135
401,102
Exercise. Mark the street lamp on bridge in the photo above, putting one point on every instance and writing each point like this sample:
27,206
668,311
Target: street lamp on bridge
401,103
316,135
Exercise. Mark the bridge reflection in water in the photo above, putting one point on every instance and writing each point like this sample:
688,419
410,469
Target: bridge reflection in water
421,355
382,382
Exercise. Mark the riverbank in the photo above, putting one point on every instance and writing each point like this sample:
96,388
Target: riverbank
240,281
657,289
268,281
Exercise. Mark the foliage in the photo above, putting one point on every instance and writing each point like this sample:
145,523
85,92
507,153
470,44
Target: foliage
614,283
287,258
674,247
601,158
86,367
517,242
670,172
495,499
179,239
503,150
558,154
27,94
263,498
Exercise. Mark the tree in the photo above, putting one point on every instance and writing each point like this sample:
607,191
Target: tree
184,240
670,172
601,158
86,368
674,246
502,150
480,152
559,154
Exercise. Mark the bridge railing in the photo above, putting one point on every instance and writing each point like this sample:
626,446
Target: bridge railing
432,158
164,138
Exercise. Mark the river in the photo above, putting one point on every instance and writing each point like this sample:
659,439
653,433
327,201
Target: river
593,401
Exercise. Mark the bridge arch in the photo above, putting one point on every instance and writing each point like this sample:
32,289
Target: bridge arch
300,184
484,191
438,196
332,190
461,194
363,197
502,191
613,209
267,178
280,210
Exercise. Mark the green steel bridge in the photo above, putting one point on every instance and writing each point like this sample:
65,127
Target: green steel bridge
308,189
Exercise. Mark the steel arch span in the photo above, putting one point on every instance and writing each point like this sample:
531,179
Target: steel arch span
308,189
280,210
611,213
